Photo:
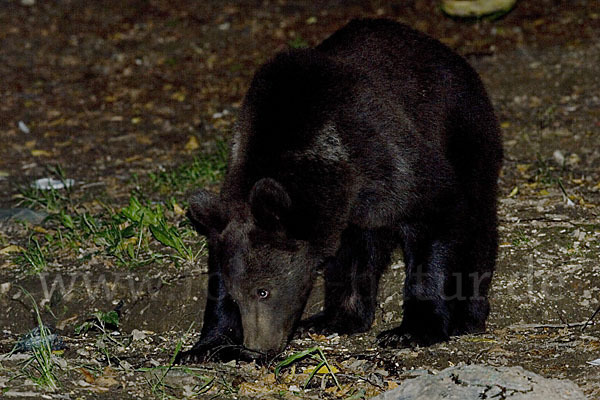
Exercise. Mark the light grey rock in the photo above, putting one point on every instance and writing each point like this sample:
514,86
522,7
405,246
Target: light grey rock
23,215
468,382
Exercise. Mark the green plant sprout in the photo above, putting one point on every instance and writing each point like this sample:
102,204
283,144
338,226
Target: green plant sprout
317,354
102,321
39,368
33,256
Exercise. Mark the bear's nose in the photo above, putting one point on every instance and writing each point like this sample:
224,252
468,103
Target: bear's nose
265,344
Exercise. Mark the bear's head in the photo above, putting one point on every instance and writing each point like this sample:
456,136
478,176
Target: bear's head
267,273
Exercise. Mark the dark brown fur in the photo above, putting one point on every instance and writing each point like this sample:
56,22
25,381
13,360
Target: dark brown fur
377,138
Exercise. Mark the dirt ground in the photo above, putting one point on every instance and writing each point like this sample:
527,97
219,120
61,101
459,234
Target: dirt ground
116,90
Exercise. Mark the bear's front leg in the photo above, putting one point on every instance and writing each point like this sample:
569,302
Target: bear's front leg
222,335
352,280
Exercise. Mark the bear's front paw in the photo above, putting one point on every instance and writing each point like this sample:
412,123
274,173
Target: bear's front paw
396,338
328,323
400,337
206,351
318,323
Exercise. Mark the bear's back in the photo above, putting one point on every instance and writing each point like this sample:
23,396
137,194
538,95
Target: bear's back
366,116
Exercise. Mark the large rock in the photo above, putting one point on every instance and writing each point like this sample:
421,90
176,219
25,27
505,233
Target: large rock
484,382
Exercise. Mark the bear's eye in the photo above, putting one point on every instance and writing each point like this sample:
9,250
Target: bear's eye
262,293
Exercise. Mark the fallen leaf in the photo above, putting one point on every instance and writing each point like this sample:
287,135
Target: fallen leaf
143,139
106,381
87,375
192,144
392,385
38,153
252,389
479,340
179,96
61,325
178,210
63,144
108,378
58,121
322,370
132,158
13,248
317,337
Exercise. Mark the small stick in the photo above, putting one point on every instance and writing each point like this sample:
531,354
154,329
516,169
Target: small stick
553,326
591,318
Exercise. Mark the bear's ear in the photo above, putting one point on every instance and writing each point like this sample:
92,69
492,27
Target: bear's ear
206,213
270,204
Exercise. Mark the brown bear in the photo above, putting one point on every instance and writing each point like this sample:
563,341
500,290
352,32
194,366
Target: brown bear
380,137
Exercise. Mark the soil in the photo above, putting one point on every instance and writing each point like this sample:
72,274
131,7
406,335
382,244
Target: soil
112,90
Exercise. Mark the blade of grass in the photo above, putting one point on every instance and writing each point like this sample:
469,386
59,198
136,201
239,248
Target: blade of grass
294,358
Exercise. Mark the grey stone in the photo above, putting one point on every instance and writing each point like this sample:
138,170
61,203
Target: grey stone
23,215
468,382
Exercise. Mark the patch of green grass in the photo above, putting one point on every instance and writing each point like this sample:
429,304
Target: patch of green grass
33,257
103,322
546,116
128,235
315,353
199,172
520,238
543,172
546,175
51,200
298,43
162,390
153,218
40,367
151,228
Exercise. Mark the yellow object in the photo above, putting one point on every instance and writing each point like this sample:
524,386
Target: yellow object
178,210
13,248
322,370
192,144
476,8
179,96
39,153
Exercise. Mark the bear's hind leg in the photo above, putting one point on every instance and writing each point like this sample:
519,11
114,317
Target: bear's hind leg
472,304
427,309
447,279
